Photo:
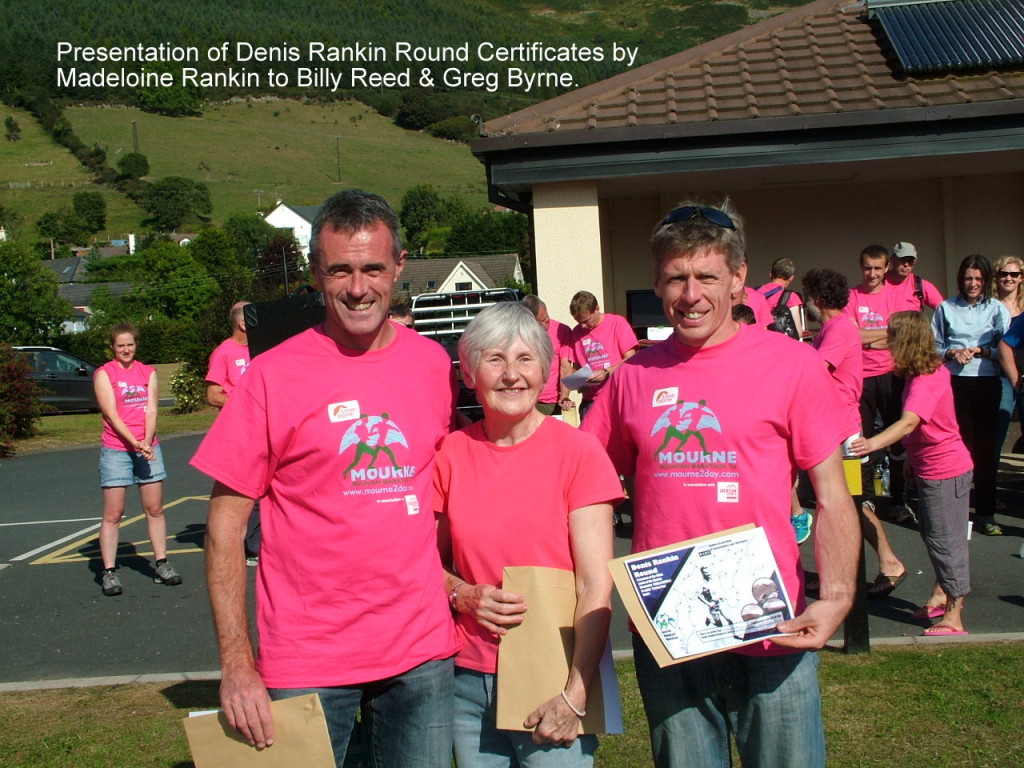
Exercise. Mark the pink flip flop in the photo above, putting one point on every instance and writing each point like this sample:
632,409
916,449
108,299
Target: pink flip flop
929,612
943,630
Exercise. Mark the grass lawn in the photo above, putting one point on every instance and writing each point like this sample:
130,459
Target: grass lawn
71,429
950,706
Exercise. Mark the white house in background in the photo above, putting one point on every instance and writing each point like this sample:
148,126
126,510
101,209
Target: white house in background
297,219
458,273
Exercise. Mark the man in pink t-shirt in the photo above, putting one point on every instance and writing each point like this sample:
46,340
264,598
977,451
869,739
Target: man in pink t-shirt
739,441
554,397
782,273
871,305
350,593
601,340
905,283
229,360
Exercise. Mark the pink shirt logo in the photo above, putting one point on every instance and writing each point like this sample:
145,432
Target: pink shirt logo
373,437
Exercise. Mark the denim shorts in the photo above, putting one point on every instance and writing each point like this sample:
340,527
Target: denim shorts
123,468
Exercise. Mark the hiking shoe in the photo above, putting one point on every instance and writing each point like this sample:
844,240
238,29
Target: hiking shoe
165,574
901,513
988,526
802,525
111,584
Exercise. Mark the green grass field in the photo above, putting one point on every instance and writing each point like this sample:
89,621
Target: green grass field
249,152
949,706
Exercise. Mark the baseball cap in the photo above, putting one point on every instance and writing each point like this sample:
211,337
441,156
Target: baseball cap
904,251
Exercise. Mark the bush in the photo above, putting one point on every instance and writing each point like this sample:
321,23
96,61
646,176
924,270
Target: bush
20,407
189,389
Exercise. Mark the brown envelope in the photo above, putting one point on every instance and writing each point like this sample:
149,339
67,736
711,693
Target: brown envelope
300,738
534,657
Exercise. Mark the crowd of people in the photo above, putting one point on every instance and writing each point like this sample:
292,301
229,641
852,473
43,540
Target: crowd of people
381,524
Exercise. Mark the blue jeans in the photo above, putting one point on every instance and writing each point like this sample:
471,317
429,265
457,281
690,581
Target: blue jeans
479,743
770,703
1009,401
409,716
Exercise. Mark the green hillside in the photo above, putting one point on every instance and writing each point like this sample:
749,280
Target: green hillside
249,153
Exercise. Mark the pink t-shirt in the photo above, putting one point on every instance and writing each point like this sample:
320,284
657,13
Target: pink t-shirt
498,520
602,347
713,447
906,297
227,364
839,343
935,449
341,446
793,300
758,303
131,393
561,339
871,311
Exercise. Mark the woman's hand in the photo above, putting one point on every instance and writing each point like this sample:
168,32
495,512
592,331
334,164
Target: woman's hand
553,722
494,608
599,376
965,354
861,446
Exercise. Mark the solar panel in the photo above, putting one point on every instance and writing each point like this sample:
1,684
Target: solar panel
953,36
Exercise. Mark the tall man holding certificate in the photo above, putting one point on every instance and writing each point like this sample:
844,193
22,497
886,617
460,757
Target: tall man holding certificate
350,594
749,408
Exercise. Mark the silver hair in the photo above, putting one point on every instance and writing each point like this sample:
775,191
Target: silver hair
351,211
497,327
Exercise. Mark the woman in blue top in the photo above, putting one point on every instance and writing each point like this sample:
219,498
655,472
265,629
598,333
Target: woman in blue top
967,330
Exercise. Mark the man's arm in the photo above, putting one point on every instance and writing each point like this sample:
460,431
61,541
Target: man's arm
874,338
836,550
215,395
1009,363
243,695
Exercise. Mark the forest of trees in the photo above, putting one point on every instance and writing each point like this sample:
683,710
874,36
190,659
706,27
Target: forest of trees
33,29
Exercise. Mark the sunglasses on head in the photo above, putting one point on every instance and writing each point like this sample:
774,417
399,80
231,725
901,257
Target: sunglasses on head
706,212
1004,273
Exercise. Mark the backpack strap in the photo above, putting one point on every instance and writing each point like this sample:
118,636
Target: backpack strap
919,290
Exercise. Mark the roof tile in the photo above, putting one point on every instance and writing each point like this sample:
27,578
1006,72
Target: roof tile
825,57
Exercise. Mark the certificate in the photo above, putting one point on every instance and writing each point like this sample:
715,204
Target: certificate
704,595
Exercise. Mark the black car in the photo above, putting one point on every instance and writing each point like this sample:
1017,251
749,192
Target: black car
66,378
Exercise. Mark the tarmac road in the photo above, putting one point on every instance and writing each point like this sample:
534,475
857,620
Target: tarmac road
58,626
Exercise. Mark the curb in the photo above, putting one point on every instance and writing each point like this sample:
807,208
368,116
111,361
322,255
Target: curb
186,677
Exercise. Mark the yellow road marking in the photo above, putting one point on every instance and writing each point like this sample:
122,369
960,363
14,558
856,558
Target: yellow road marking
70,553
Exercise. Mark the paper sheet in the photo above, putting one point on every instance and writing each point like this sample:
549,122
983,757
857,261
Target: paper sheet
578,380
300,739
704,595
534,658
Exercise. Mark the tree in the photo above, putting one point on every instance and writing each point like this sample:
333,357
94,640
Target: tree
175,200
171,284
63,226
489,231
92,209
33,312
13,129
420,209
423,211
134,165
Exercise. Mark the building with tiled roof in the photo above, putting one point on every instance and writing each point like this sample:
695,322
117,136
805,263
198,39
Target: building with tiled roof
457,273
831,126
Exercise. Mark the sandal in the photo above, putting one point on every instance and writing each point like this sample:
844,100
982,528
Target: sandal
943,630
929,612
883,585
